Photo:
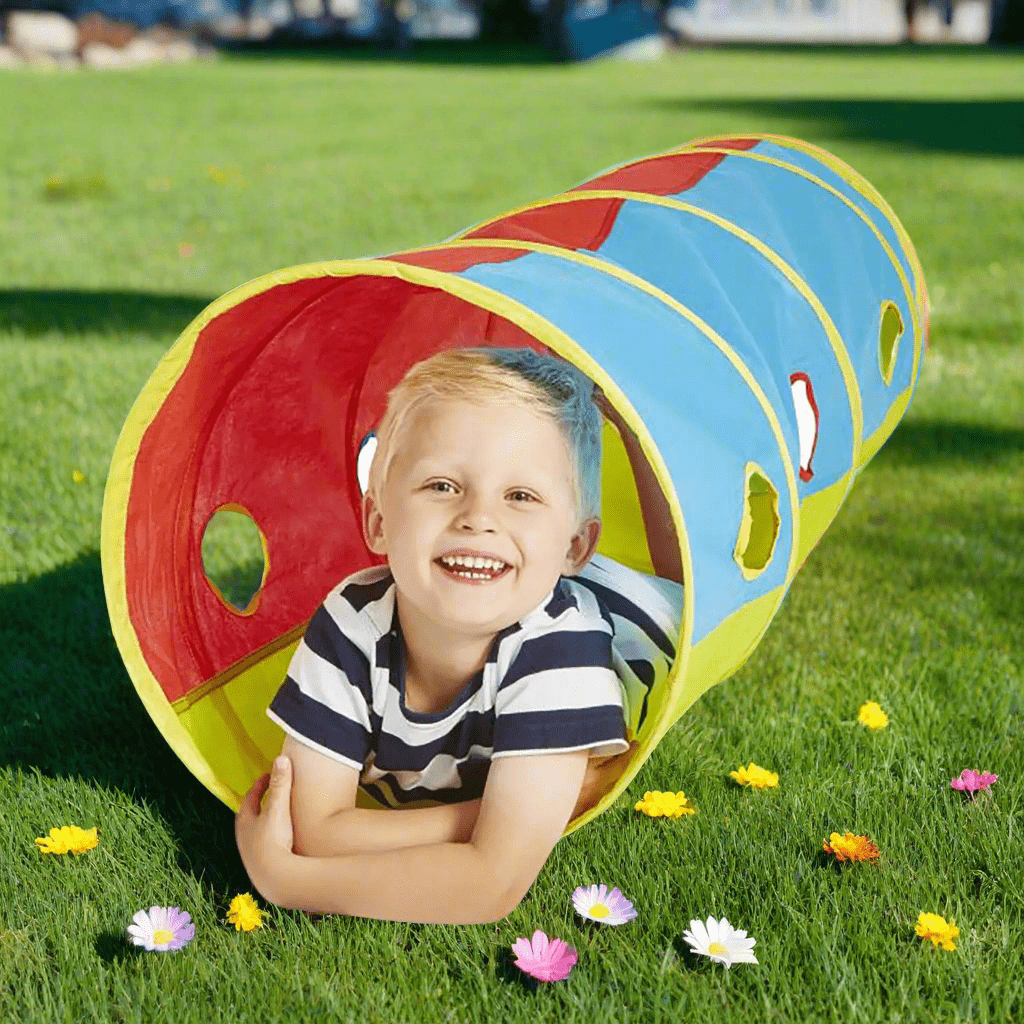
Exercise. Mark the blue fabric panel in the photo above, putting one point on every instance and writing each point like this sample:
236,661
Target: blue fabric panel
804,224
767,322
814,166
700,412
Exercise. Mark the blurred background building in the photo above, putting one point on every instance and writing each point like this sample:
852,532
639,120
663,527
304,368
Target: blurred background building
571,29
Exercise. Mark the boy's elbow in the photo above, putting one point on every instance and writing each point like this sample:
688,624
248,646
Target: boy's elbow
509,903
496,893
509,893
491,908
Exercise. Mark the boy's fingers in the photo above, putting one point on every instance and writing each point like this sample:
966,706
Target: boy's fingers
251,800
281,772
279,789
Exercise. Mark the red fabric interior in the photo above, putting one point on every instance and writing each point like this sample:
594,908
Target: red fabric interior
268,415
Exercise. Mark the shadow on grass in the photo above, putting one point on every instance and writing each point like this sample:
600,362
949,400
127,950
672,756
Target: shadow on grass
686,959
922,443
441,52
980,127
72,712
475,52
112,948
506,971
39,311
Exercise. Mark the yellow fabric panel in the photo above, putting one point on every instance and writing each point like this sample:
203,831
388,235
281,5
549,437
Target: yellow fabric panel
623,536
726,648
229,725
817,511
873,443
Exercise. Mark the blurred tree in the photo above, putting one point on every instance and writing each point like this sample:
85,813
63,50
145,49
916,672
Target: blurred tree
509,21
1007,21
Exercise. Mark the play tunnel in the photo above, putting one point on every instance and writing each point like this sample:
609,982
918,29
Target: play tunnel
751,306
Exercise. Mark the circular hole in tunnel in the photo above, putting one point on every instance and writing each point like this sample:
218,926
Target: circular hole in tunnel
890,329
366,449
806,421
759,527
234,558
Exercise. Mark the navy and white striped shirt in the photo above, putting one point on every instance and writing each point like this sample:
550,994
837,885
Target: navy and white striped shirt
573,674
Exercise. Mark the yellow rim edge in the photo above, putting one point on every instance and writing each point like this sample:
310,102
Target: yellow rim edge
169,370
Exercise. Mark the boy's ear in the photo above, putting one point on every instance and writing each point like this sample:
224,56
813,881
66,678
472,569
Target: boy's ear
582,546
373,525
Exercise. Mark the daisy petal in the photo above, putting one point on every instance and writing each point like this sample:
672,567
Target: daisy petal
699,933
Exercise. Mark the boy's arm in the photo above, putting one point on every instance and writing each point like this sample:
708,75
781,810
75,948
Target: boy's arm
525,808
661,532
327,822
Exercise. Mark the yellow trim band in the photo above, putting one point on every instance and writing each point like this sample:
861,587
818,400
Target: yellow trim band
169,370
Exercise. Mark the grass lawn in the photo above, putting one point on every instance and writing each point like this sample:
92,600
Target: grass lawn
130,201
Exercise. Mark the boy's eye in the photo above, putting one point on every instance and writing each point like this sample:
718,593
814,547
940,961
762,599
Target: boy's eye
441,486
521,496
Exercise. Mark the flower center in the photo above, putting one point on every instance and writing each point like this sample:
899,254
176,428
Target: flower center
162,936
717,948
599,910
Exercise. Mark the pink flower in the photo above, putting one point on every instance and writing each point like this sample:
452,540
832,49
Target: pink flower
162,929
598,904
973,781
543,958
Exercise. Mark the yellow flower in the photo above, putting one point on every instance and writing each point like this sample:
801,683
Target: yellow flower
69,839
851,847
936,928
667,805
752,775
78,476
872,716
244,914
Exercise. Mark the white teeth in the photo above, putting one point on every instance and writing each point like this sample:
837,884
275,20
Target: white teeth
474,562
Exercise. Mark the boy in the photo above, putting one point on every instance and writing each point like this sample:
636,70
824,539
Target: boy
477,668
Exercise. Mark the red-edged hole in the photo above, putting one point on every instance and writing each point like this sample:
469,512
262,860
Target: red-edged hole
806,421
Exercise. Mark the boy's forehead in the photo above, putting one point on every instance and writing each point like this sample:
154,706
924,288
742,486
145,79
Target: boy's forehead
426,441
494,418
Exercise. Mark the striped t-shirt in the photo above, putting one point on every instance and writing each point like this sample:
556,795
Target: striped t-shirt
573,674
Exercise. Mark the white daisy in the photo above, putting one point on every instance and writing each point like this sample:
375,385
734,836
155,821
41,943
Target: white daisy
720,941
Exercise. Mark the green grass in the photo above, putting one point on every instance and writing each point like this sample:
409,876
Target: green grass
127,202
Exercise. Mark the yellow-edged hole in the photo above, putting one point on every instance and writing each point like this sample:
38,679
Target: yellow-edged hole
890,330
759,528
234,554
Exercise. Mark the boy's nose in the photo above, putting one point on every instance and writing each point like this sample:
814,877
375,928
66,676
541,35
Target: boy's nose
476,515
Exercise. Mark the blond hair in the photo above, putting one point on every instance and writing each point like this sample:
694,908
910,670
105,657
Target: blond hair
544,385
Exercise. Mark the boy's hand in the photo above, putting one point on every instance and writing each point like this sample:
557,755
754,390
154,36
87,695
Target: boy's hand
264,837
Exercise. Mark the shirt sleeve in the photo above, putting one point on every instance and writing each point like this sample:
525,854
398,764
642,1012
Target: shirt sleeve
560,694
653,604
326,700
645,613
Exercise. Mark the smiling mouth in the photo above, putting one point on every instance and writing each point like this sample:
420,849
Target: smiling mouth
473,573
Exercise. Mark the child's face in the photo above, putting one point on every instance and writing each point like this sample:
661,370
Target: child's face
486,480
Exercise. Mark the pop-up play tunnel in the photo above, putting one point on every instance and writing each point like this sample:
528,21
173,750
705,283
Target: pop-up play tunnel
750,305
